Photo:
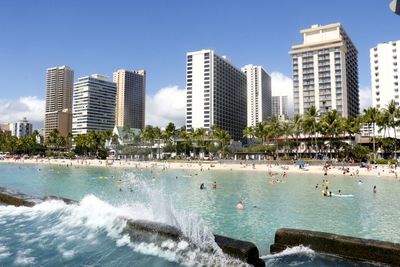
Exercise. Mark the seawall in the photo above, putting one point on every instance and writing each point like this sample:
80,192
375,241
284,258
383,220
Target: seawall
359,249
141,230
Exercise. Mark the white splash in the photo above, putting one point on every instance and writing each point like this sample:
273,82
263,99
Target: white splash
92,216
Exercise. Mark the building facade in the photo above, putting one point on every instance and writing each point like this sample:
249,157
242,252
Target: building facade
395,6
59,86
325,71
280,107
21,128
130,98
259,102
385,65
215,93
94,104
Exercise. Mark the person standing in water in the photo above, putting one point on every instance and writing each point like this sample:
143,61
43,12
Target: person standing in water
374,189
214,186
202,186
240,205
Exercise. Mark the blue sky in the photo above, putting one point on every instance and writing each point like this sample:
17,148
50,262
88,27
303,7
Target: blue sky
102,36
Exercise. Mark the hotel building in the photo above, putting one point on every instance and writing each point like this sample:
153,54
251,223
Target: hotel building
94,104
215,93
259,103
59,86
280,107
325,71
385,64
130,98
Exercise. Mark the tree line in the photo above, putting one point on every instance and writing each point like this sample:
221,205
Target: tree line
320,134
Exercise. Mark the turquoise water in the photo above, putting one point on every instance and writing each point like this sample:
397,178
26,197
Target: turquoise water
91,231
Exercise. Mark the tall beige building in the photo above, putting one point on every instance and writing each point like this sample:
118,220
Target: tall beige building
59,86
325,71
130,99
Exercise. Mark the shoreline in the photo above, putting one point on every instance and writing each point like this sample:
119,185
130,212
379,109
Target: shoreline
383,171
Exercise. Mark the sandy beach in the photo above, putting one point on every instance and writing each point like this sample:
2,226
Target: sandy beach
383,171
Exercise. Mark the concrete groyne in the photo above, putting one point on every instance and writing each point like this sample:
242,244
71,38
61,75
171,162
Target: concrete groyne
359,249
141,230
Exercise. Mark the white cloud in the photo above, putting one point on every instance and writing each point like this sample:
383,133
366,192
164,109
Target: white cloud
281,86
365,95
30,107
166,105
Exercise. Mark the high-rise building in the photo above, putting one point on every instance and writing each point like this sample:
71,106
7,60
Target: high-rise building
94,104
21,128
325,71
59,85
130,99
215,93
259,103
395,6
6,128
280,106
385,72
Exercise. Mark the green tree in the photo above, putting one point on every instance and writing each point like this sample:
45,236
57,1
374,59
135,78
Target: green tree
371,117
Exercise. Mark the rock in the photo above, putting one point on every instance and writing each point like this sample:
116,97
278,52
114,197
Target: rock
243,250
339,245
11,197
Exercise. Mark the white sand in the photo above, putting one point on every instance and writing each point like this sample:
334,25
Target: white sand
380,171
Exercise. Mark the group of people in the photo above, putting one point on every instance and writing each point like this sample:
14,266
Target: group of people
214,185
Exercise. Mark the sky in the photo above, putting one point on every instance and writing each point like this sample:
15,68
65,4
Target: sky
103,36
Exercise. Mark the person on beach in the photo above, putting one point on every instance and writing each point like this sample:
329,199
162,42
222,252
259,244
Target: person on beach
240,205
326,191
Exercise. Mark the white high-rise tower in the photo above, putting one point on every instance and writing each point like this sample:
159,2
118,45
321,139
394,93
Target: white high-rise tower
259,102
385,64
325,71
215,93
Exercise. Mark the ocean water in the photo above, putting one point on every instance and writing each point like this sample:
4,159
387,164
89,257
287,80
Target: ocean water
54,234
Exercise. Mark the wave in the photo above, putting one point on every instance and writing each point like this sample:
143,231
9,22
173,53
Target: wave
294,256
73,230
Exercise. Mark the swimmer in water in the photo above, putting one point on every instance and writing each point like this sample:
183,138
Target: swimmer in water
316,186
240,205
214,186
202,186
374,189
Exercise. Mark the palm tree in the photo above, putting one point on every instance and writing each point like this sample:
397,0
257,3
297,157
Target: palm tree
148,134
259,131
273,129
52,139
249,132
332,124
393,114
310,123
223,137
297,130
371,117
287,130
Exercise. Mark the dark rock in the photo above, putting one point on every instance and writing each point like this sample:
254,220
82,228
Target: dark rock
142,230
11,197
243,250
343,246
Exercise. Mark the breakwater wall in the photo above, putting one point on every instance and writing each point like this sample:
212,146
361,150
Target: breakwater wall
141,230
359,249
